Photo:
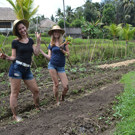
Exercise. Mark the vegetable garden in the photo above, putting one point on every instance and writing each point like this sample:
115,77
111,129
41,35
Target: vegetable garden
89,104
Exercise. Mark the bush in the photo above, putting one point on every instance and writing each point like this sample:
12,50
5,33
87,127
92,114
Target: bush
39,61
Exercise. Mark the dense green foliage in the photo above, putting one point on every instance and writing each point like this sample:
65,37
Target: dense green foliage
85,17
107,12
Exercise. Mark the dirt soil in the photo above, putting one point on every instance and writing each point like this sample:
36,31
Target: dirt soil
86,111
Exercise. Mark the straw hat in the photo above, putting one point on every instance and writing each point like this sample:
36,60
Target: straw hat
25,22
56,27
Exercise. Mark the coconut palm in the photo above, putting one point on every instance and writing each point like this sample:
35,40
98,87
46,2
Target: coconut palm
114,29
69,14
128,5
23,8
127,33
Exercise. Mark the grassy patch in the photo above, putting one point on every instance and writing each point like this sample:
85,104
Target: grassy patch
126,107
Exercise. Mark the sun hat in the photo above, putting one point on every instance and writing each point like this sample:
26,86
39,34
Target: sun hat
56,27
24,21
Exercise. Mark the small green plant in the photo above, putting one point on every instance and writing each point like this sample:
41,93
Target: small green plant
82,89
101,118
74,69
44,102
74,91
2,74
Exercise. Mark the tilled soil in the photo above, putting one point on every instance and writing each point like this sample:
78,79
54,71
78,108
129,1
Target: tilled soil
86,111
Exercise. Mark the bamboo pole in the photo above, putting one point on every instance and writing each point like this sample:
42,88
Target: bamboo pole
93,51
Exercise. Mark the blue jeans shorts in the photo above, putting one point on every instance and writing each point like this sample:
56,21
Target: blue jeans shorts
20,72
58,69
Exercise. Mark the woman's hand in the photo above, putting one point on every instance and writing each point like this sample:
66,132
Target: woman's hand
38,37
3,56
65,51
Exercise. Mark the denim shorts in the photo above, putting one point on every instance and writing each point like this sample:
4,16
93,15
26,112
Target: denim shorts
20,72
58,69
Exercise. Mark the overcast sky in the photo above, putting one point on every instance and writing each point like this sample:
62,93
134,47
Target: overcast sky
49,7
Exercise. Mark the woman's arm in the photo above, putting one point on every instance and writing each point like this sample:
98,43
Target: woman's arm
36,48
48,56
66,52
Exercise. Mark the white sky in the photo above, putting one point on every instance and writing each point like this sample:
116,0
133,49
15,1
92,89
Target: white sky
49,7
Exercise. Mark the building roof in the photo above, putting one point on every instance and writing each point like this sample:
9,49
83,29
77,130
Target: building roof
73,31
46,23
7,14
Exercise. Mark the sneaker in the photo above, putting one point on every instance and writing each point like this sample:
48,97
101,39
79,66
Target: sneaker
58,103
18,119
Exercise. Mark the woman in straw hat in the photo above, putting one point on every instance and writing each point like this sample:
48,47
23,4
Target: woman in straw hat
22,49
56,55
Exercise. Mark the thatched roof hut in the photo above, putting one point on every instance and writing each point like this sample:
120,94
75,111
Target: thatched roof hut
74,32
7,14
46,24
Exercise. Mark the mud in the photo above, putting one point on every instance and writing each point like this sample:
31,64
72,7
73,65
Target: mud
86,111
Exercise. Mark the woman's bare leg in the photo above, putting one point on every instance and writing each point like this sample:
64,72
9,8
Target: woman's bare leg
15,88
32,85
64,81
54,76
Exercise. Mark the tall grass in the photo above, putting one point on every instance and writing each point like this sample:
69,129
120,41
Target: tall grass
82,50
126,107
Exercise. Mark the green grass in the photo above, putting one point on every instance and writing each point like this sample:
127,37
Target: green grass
126,107
81,51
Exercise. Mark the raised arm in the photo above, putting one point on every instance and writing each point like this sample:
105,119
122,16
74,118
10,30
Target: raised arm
36,47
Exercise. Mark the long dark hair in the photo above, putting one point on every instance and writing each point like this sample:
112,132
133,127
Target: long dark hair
16,30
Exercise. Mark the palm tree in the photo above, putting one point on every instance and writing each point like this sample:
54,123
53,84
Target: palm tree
59,14
69,14
127,33
23,8
114,29
128,5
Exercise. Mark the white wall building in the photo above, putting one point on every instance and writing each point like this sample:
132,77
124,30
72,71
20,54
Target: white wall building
7,17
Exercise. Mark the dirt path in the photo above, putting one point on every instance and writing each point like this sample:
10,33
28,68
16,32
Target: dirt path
79,115
118,64
87,110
